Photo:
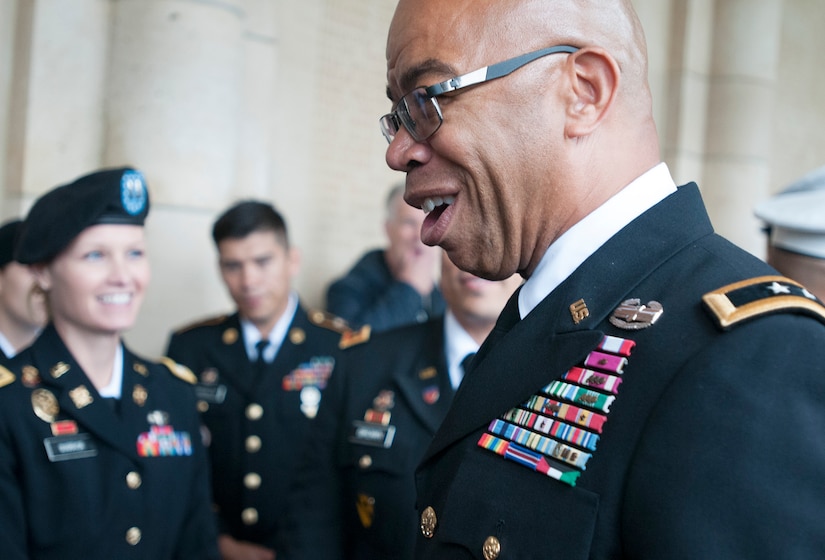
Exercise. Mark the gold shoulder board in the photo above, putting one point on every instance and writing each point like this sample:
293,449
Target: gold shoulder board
6,377
328,321
751,298
353,338
179,370
208,322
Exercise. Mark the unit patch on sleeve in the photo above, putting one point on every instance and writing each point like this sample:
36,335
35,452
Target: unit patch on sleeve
752,298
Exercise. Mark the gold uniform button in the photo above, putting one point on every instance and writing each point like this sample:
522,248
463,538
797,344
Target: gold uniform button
365,462
491,548
253,444
252,481
428,522
133,536
203,406
133,480
249,516
254,411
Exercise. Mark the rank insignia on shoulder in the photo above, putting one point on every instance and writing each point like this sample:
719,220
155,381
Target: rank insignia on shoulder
208,322
328,321
759,296
352,338
6,377
179,370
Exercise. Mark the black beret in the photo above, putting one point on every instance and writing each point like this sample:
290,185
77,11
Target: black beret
109,196
8,234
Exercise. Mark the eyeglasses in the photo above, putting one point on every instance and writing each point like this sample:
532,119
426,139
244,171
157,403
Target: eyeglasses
418,111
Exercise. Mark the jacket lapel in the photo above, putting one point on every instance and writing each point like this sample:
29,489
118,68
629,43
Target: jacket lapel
426,378
77,396
231,359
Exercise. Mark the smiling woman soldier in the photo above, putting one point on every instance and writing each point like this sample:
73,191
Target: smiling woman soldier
100,453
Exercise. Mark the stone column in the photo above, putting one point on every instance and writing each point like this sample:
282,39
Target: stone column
174,96
58,75
683,130
175,92
746,46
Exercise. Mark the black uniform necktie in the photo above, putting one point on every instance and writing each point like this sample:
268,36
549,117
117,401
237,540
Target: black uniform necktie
261,346
466,362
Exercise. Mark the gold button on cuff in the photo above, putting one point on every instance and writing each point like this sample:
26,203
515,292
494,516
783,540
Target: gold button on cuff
428,522
252,481
133,480
254,411
491,548
365,462
203,406
133,536
249,516
253,444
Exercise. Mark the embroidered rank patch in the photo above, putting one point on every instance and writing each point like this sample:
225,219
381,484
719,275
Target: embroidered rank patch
555,432
764,295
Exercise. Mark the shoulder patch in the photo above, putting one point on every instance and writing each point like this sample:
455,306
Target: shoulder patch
179,370
353,338
327,320
745,300
208,322
6,377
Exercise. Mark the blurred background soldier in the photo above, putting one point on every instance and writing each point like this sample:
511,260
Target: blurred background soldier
355,495
22,307
261,372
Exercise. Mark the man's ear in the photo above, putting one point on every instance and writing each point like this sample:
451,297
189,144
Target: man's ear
42,276
594,82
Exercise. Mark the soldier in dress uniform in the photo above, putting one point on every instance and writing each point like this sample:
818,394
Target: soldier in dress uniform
354,496
100,450
22,306
795,224
260,375
652,391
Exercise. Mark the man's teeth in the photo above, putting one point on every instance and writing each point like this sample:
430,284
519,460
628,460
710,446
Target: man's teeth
116,299
431,204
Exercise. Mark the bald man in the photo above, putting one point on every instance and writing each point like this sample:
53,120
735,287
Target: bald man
652,391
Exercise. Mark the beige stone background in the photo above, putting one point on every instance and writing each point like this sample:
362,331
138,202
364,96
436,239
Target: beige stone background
217,100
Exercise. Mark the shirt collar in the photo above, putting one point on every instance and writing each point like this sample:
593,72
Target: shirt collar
251,334
115,386
458,343
6,347
575,245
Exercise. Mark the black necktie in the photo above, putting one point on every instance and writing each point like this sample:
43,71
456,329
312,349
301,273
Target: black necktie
260,346
466,362
113,403
260,363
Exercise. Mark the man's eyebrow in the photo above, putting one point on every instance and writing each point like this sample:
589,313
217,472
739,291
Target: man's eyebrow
410,79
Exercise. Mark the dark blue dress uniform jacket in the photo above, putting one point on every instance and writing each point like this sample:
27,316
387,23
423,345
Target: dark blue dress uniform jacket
713,447
354,497
254,455
116,503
